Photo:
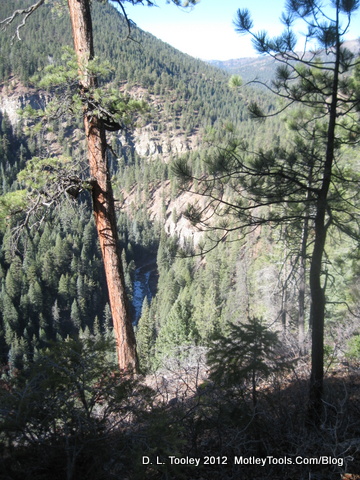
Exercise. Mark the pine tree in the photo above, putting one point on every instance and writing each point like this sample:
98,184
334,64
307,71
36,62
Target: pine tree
245,353
304,180
178,330
75,315
145,337
35,297
13,281
11,320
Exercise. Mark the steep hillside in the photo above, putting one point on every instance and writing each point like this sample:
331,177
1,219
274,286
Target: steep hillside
222,315
188,100
54,273
192,92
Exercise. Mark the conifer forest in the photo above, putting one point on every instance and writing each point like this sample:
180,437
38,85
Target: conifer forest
179,248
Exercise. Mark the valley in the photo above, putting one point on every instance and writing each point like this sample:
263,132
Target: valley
236,212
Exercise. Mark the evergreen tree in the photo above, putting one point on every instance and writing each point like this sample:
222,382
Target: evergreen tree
12,326
13,281
245,353
145,337
35,297
75,315
304,180
96,121
178,329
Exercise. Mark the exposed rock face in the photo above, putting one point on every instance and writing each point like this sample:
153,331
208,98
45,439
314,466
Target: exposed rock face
177,225
15,97
146,141
149,144
10,106
174,222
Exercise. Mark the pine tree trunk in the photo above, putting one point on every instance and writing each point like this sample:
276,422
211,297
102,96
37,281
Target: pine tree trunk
301,300
317,321
321,226
102,195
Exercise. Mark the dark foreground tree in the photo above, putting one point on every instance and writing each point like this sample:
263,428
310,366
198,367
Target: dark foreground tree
60,417
243,355
306,182
95,125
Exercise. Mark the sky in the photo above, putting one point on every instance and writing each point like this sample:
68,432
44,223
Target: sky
206,31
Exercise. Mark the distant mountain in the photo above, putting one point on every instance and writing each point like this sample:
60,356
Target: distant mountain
262,67
250,68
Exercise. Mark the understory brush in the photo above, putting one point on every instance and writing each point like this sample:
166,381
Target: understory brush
72,417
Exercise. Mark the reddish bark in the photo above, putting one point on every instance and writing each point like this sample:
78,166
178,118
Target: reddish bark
102,195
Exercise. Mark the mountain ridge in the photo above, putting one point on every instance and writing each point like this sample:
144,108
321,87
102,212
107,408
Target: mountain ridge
264,66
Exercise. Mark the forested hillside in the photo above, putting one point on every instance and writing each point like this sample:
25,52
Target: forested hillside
221,313
187,102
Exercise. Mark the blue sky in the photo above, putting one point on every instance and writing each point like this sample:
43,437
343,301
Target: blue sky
206,31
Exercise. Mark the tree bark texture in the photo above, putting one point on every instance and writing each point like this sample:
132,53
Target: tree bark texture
102,195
